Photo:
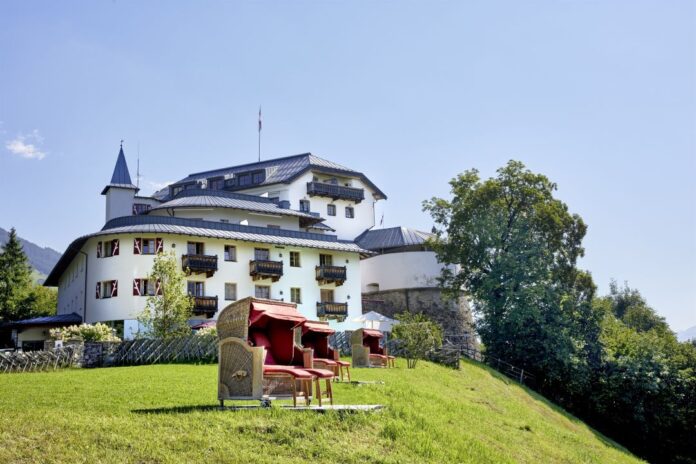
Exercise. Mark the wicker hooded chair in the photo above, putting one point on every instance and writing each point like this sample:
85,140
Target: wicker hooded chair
315,335
257,355
367,352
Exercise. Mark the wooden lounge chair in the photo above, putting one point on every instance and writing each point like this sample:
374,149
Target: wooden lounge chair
315,335
367,352
257,358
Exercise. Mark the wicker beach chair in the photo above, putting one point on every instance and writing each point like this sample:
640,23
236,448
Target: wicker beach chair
367,352
315,335
257,355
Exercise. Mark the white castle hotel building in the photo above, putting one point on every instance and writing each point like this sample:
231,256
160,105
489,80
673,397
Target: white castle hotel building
286,229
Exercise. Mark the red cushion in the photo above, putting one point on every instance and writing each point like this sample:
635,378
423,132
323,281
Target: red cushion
343,363
381,356
293,371
258,338
328,362
321,373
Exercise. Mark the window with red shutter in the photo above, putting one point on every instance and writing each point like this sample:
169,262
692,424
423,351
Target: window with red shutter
137,249
159,245
136,287
158,288
114,288
114,247
98,290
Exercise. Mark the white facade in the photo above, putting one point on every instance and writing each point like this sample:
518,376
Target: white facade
346,228
127,266
393,271
119,202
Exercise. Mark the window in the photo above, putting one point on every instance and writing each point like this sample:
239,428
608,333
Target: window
262,291
140,208
108,248
304,206
262,254
258,177
195,248
107,289
195,288
327,296
147,246
331,210
244,179
216,184
294,259
191,186
296,295
230,291
176,190
350,212
144,287
325,260
230,253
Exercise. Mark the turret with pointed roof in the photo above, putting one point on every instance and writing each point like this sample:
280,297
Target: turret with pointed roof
120,192
121,177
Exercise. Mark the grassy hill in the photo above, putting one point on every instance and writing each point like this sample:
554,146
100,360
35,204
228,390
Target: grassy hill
167,413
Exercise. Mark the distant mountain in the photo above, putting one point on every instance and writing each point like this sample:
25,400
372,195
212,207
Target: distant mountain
41,259
688,334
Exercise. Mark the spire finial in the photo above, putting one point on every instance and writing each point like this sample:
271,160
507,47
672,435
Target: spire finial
121,144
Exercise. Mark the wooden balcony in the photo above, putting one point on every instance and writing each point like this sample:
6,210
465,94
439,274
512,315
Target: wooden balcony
331,275
200,264
259,269
332,310
207,305
335,192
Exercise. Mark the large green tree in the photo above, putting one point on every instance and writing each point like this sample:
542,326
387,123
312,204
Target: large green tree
15,281
168,311
514,248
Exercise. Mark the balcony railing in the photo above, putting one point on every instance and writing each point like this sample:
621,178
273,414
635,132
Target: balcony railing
332,310
204,264
336,192
207,305
331,274
261,269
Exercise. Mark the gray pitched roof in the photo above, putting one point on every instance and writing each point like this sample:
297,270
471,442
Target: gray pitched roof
121,177
199,228
58,320
284,170
200,198
393,237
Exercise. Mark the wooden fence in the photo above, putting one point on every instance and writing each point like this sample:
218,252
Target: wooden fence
194,348
35,361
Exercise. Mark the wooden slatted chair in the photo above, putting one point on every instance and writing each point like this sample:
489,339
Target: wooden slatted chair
367,352
315,335
253,353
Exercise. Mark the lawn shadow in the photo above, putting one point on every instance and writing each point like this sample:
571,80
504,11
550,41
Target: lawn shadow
179,409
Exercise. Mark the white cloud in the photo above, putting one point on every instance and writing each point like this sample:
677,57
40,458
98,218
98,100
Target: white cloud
27,146
155,186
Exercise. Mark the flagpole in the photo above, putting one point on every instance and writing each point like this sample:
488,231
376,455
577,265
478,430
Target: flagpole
260,132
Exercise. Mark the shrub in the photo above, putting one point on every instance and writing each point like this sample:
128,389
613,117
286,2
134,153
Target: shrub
417,336
207,332
85,332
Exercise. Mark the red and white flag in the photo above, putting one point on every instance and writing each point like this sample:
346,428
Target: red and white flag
260,123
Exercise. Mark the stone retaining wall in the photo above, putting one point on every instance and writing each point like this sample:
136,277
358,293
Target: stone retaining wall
454,316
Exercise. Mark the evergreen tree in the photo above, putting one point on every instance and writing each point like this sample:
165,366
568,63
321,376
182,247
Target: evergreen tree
15,281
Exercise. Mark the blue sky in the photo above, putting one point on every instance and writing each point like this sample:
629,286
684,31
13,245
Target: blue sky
600,96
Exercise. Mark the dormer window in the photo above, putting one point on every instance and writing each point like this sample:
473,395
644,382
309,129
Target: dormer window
216,184
177,190
244,179
258,177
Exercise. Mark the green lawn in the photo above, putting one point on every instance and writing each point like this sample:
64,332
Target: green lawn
167,413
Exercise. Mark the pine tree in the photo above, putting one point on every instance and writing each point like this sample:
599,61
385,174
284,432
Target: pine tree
15,281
